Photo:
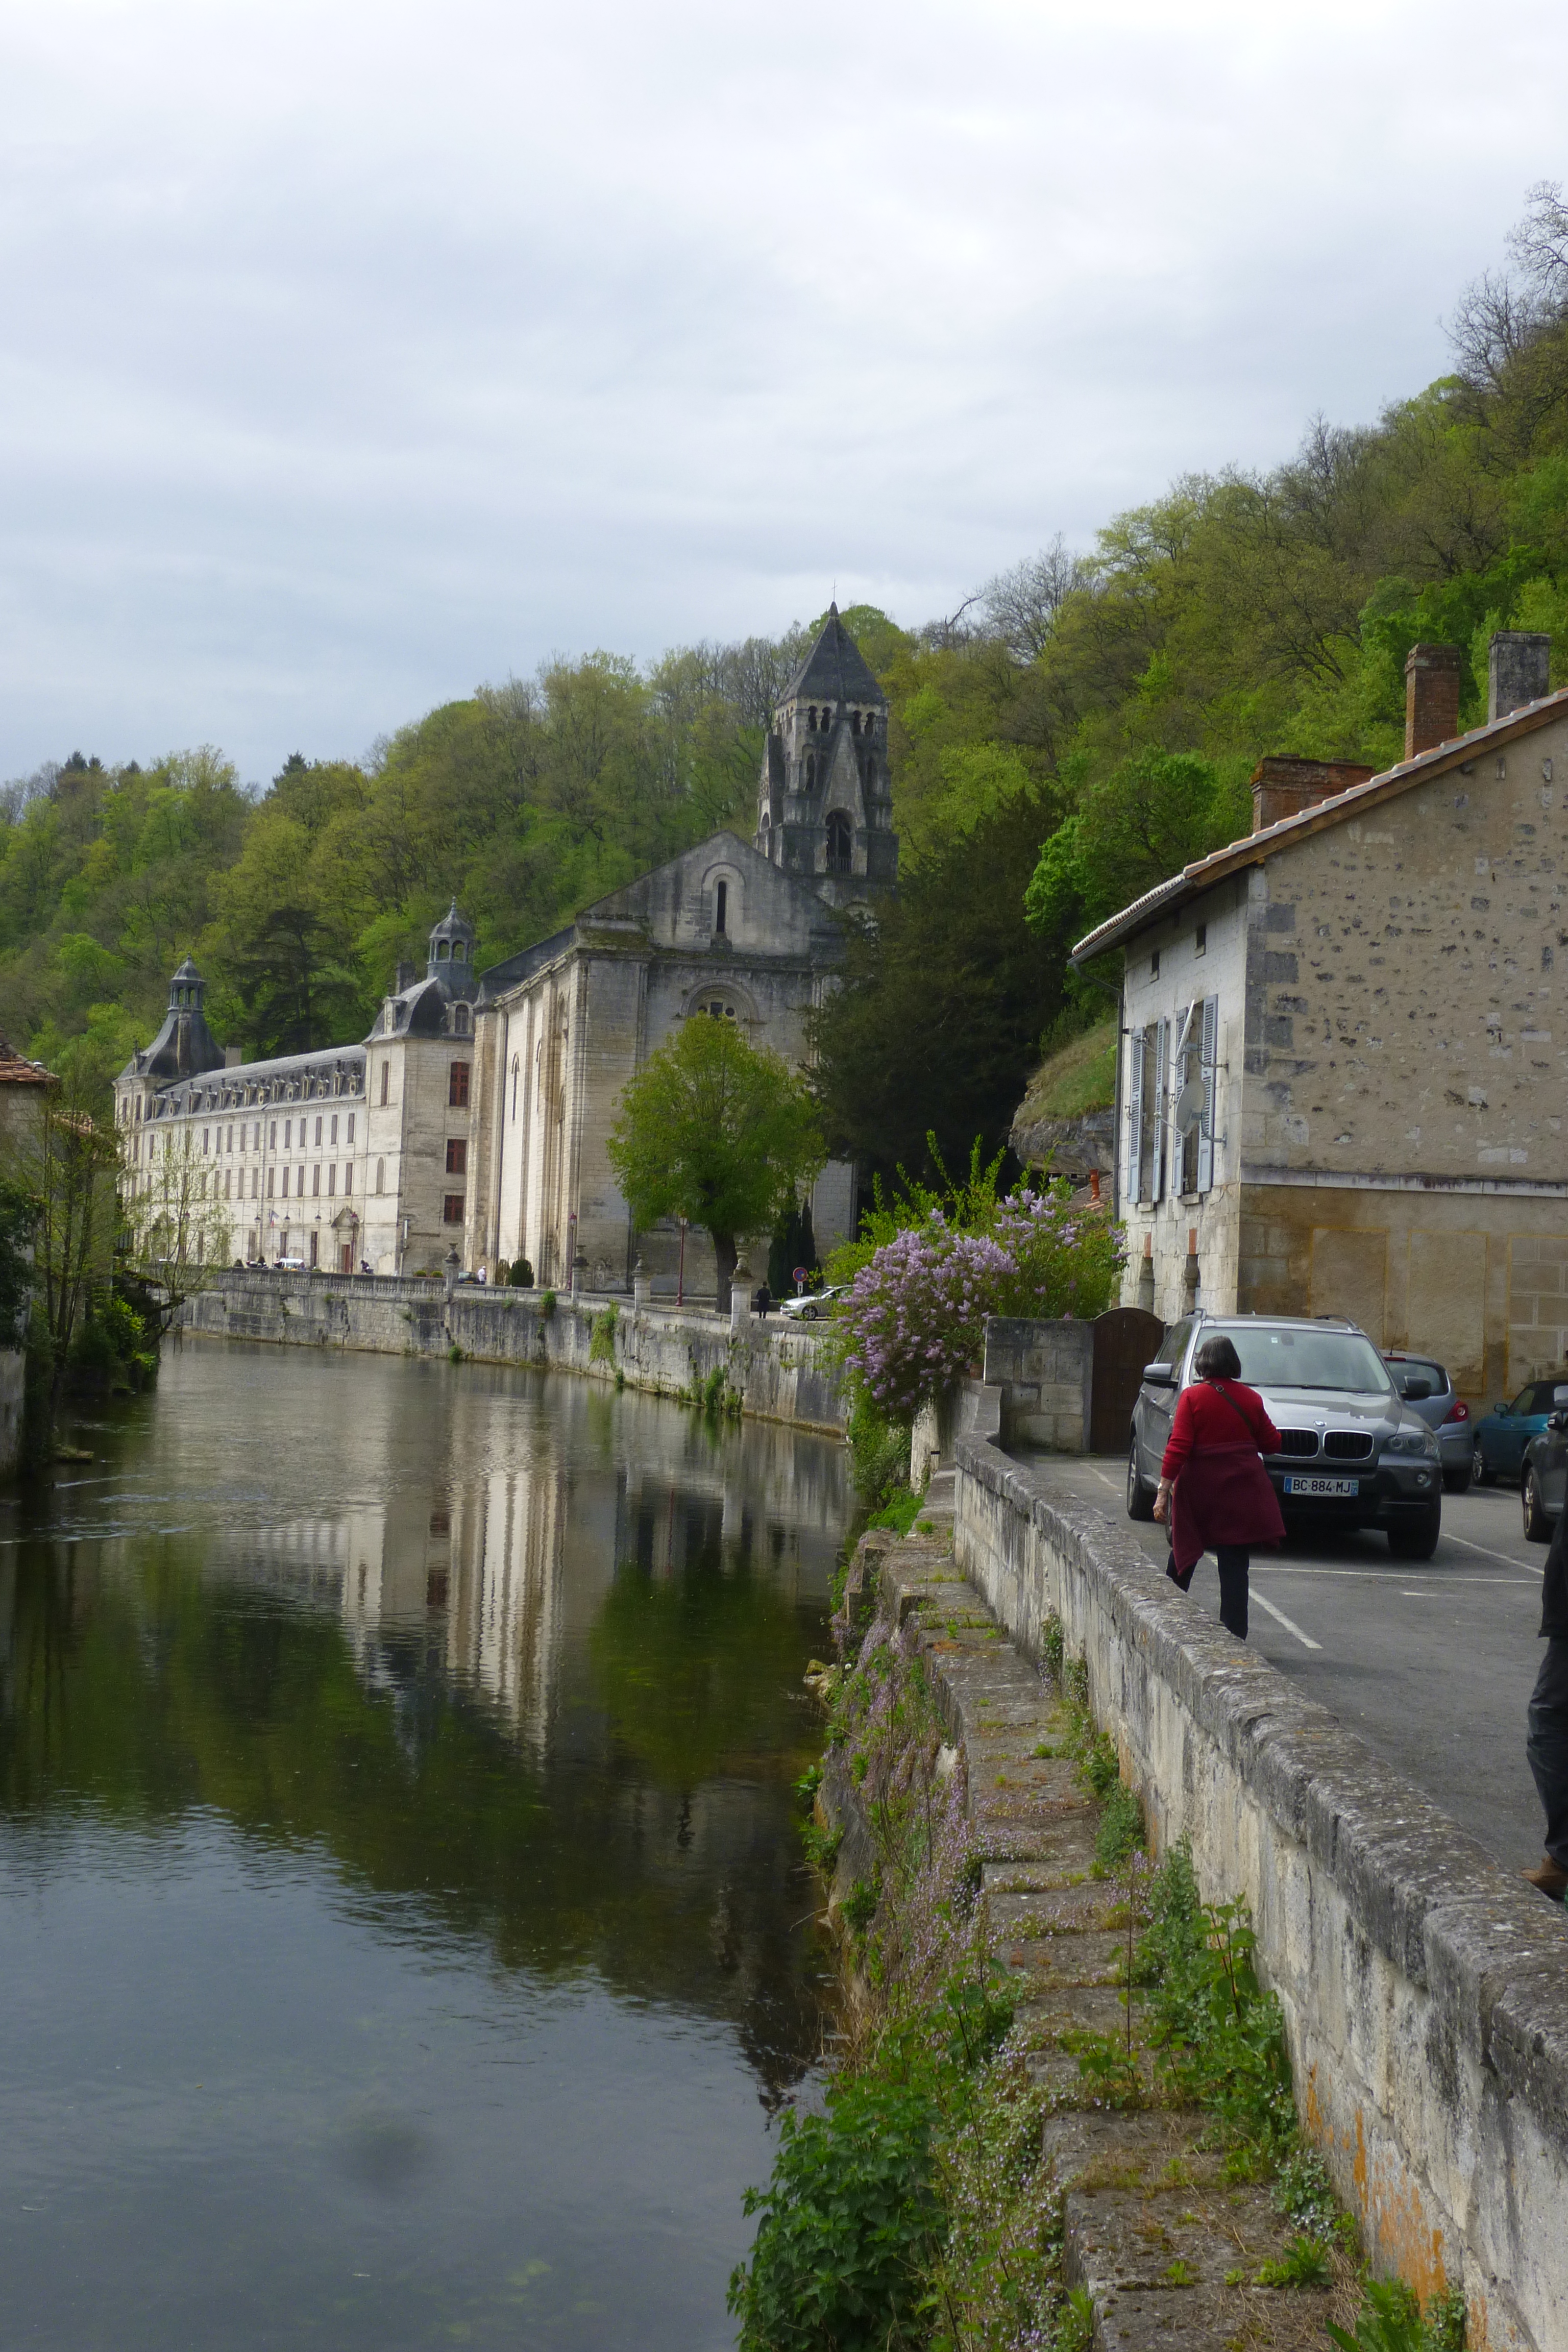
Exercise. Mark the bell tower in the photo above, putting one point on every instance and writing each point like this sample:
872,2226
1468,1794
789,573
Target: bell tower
825,808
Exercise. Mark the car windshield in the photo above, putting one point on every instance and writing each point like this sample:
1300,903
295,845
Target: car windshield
1309,1360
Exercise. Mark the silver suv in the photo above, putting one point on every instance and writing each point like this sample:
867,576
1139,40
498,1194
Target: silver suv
1351,1452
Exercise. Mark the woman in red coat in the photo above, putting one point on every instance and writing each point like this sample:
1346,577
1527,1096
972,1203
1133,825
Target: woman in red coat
1213,1485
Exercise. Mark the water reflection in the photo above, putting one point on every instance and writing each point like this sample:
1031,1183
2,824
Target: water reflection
411,1748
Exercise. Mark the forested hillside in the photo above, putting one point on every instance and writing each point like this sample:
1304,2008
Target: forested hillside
1083,725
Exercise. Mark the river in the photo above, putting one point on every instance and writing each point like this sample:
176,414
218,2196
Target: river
403,1934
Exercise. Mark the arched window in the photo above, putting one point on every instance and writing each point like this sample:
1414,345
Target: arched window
854,722
460,1019
720,906
766,826
810,770
443,949
459,951
811,718
380,1175
841,843
385,1081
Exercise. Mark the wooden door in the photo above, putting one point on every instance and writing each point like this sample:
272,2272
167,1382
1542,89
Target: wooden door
1125,1340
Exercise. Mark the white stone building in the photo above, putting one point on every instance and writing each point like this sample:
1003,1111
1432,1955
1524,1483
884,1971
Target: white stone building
355,1155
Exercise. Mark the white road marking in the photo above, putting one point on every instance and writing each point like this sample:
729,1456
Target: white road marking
1380,1575
1288,1623
1507,1557
1114,1484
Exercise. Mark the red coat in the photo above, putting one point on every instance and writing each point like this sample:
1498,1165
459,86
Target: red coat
1222,1493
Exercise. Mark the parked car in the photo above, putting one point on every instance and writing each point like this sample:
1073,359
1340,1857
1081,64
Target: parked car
1440,1408
812,1304
291,1265
1501,1437
1353,1454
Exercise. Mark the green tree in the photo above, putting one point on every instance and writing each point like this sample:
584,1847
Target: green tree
715,1130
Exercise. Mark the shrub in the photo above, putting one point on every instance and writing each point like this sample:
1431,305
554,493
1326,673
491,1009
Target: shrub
850,2225
915,1316
602,1336
546,1305
521,1274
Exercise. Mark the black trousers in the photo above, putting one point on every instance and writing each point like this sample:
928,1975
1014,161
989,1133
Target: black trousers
1547,1746
1234,1562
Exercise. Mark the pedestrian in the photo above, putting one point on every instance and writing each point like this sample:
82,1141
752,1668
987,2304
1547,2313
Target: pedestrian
1212,1486
1547,1746
763,1300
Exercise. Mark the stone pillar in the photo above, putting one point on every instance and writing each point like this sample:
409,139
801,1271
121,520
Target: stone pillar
579,1268
642,1284
454,1267
739,1293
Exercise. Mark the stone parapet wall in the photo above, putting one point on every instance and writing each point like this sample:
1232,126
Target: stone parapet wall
779,1372
1424,1990
1044,1371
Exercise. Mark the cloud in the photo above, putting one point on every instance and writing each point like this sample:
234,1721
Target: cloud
352,355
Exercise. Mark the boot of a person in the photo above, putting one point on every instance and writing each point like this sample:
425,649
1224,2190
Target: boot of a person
1550,1878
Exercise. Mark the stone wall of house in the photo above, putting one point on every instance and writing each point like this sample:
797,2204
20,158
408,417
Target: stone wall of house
1424,1990
779,1372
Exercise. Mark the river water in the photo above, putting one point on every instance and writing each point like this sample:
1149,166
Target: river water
404,1935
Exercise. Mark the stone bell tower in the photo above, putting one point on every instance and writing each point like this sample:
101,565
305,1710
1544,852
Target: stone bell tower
825,808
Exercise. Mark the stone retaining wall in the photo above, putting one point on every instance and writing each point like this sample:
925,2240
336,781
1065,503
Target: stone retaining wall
1045,1374
1424,1990
779,1372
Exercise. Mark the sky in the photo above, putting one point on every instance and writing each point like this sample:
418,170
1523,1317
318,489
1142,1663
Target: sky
352,354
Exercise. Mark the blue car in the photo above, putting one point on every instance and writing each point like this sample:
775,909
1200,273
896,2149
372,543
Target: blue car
1501,1439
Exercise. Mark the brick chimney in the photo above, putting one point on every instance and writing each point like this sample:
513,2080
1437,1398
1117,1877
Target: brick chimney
1283,785
1431,697
1518,666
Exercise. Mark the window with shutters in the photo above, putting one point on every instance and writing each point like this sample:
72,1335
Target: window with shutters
1195,1075
1134,1112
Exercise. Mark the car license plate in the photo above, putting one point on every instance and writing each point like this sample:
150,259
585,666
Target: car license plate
1302,1485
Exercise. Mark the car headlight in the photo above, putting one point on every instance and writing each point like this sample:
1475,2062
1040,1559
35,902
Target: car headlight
1412,1440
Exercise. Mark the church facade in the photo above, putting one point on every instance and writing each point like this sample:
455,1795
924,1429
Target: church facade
476,1112
730,930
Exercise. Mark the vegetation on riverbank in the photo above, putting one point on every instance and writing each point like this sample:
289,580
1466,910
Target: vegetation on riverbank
915,2210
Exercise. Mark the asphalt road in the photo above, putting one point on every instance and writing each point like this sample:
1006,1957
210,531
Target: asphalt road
1431,1663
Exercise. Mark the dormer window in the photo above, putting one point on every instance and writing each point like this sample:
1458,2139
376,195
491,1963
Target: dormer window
460,1019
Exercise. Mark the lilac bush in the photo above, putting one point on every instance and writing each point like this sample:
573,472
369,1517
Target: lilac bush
915,1316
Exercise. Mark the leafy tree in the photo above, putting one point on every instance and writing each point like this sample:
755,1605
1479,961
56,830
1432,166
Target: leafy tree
1150,816
935,1027
715,1130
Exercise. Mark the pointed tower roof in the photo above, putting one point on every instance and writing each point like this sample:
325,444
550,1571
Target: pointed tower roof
835,669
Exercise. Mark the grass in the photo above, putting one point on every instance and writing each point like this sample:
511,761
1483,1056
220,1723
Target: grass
1078,1076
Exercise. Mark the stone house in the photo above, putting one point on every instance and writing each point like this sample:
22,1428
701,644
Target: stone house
1345,1042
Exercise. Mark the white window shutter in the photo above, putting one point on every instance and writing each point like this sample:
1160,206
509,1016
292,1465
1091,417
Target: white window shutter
1162,1137
1210,1074
1135,1114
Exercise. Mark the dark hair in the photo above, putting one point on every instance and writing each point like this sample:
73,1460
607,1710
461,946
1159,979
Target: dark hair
1217,1360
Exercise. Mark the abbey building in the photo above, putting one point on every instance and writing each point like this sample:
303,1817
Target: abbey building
476,1111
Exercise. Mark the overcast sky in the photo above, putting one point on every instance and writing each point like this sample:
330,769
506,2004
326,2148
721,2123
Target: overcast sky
352,354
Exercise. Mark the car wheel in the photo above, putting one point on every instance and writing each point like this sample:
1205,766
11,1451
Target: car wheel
1457,1482
1140,1499
808,1313
1418,1540
1481,1470
1537,1526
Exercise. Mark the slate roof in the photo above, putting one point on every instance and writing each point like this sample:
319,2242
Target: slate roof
1257,848
834,670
